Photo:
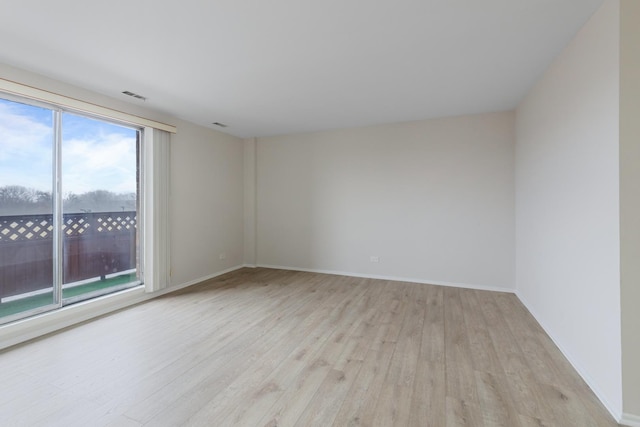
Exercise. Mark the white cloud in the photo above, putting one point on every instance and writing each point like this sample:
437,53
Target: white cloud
105,161
25,150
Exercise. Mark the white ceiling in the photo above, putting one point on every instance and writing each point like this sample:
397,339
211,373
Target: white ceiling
285,66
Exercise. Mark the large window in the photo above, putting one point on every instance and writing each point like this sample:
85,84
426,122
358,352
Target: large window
69,207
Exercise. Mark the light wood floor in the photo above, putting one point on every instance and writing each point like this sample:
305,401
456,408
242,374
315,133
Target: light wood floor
277,348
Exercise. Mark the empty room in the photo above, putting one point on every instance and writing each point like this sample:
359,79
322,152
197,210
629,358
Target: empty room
337,213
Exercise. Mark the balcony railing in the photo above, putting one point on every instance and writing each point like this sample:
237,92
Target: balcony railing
94,245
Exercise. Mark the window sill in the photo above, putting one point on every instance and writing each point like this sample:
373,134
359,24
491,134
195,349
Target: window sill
46,323
33,327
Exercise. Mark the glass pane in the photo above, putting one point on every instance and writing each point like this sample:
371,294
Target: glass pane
99,190
26,209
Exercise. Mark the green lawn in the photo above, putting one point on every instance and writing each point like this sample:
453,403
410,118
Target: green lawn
29,303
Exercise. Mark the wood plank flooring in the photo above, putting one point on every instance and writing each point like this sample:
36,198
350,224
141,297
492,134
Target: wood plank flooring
267,348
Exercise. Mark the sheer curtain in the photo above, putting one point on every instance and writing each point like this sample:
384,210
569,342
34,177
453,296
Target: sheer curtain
157,246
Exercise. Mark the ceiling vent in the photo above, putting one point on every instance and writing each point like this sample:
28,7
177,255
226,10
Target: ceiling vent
222,125
135,95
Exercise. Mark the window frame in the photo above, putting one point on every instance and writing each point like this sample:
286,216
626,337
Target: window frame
59,302
40,95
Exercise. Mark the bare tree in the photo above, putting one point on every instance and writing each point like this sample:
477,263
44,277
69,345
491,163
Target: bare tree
19,200
16,199
17,194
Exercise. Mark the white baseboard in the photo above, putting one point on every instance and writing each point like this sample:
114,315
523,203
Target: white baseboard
392,278
617,414
33,327
630,420
199,280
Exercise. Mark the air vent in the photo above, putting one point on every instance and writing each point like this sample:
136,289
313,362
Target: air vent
222,125
135,95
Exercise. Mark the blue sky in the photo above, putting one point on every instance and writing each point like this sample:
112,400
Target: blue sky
95,155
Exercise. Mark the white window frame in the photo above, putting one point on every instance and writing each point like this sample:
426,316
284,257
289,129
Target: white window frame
154,210
66,102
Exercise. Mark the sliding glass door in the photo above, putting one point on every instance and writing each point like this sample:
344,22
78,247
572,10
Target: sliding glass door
69,202
100,197
27,146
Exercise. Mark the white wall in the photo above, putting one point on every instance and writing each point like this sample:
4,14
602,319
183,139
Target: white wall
206,202
434,200
567,195
250,202
630,205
